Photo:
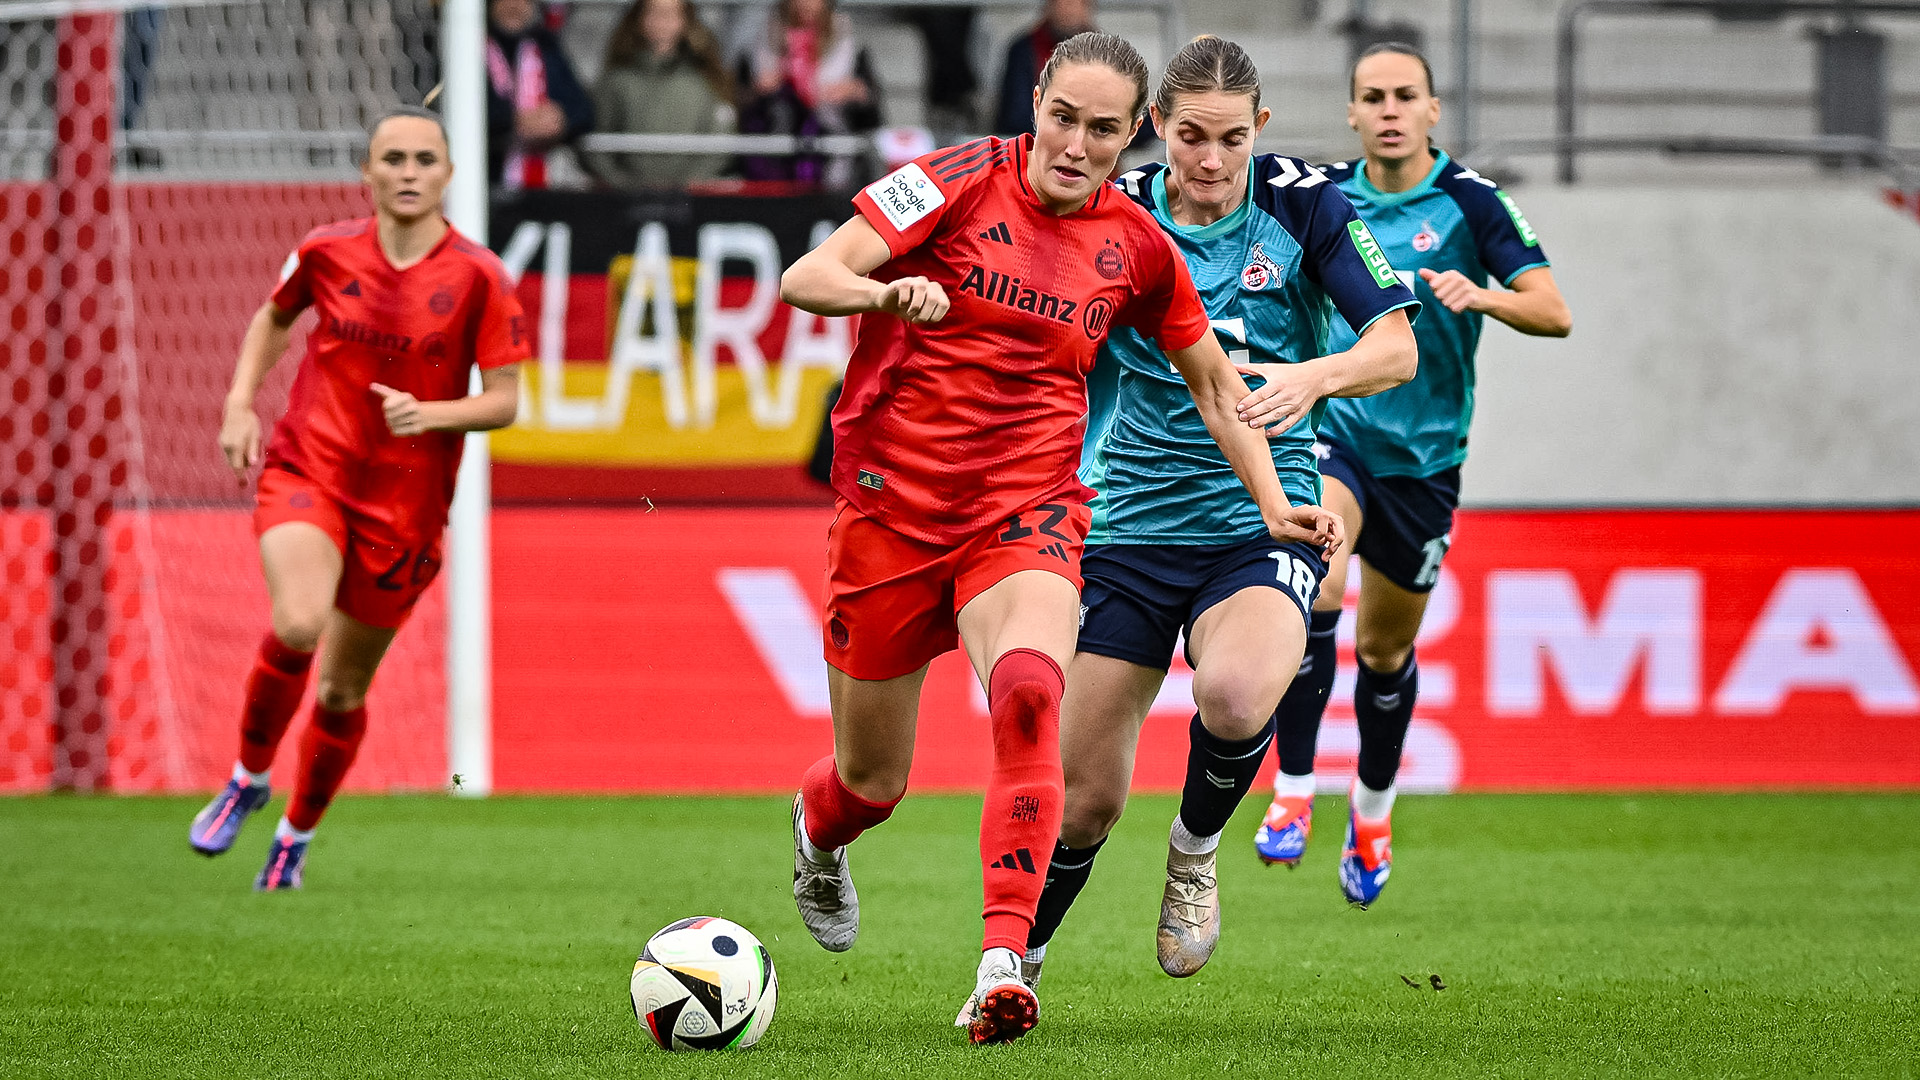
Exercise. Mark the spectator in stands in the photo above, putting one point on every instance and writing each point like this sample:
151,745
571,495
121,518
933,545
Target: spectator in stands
139,46
534,100
809,77
1028,53
947,35
663,75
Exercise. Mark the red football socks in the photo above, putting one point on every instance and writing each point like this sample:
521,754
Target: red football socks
835,815
1026,795
274,687
327,749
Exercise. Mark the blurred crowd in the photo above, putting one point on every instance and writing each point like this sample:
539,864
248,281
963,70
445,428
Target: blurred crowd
795,67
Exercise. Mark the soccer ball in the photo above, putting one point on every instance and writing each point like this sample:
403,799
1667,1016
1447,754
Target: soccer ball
704,984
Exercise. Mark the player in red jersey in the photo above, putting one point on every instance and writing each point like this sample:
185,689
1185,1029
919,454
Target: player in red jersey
998,267
360,471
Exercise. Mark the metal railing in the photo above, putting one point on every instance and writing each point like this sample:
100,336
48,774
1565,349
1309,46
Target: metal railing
1900,163
1568,143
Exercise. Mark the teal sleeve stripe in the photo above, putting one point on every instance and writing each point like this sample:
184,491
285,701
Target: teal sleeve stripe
1389,311
1530,266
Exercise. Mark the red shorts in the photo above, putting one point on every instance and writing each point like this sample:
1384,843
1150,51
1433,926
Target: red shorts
893,601
384,571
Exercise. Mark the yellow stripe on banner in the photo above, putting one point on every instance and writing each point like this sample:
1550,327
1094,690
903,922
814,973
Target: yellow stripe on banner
644,438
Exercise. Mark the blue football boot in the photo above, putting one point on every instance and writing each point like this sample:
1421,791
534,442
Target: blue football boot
1282,837
286,860
1366,860
216,828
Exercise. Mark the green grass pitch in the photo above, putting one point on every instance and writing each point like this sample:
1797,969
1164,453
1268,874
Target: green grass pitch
1574,936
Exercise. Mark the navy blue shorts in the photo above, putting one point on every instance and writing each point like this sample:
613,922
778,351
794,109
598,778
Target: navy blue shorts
1138,598
1407,521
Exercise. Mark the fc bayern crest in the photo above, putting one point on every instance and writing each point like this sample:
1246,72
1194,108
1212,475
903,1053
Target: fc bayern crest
1109,262
441,302
1426,238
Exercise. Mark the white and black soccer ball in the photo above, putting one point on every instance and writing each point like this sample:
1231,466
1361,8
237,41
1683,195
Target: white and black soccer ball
704,984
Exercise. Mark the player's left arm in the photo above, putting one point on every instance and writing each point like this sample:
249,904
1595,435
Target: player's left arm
1217,390
1385,357
1510,250
1346,261
493,407
1531,303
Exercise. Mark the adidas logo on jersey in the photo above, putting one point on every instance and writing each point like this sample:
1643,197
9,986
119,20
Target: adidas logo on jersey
1058,551
999,234
352,289
1020,859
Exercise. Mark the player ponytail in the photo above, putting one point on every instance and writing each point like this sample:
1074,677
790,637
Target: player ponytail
1208,64
1094,47
1398,48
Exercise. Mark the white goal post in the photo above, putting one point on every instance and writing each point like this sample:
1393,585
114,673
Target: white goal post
469,549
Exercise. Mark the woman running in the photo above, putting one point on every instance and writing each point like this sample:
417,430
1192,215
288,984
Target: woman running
360,471
1176,547
1392,462
998,267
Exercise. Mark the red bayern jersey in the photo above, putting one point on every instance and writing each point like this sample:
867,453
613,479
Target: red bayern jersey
945,429
420,330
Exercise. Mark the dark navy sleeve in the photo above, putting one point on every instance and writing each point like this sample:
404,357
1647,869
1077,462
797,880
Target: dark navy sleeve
1339,251
1506,243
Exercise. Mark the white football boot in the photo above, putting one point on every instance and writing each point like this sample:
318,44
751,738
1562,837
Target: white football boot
1189,913
1003,1006
824,893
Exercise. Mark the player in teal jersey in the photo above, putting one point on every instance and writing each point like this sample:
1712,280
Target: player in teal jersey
1176,545
1391,463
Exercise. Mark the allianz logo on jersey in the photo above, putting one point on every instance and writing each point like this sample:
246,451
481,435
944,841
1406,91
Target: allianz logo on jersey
372,337
1260,272
1017,294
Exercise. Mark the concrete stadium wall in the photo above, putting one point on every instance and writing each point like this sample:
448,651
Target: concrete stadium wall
1730,347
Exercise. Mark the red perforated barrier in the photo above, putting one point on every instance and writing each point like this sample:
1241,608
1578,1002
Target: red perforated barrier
205,604
124,307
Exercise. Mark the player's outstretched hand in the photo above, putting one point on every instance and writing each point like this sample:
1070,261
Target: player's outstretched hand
1288,395
402,409
915,299
1313,525
240,440
1453,290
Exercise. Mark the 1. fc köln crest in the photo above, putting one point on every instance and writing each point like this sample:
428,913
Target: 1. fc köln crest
1260,272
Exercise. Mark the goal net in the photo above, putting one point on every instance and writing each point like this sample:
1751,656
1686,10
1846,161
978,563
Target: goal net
157,164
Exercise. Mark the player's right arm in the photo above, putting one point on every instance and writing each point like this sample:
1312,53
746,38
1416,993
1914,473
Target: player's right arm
832,279
265,343
896,214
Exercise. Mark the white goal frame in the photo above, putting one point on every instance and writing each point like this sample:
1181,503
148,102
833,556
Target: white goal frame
469,535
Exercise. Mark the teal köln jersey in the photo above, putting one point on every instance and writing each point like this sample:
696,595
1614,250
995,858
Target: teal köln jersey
1453,219
1274,275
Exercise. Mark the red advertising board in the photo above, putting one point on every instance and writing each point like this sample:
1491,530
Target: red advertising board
679,651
